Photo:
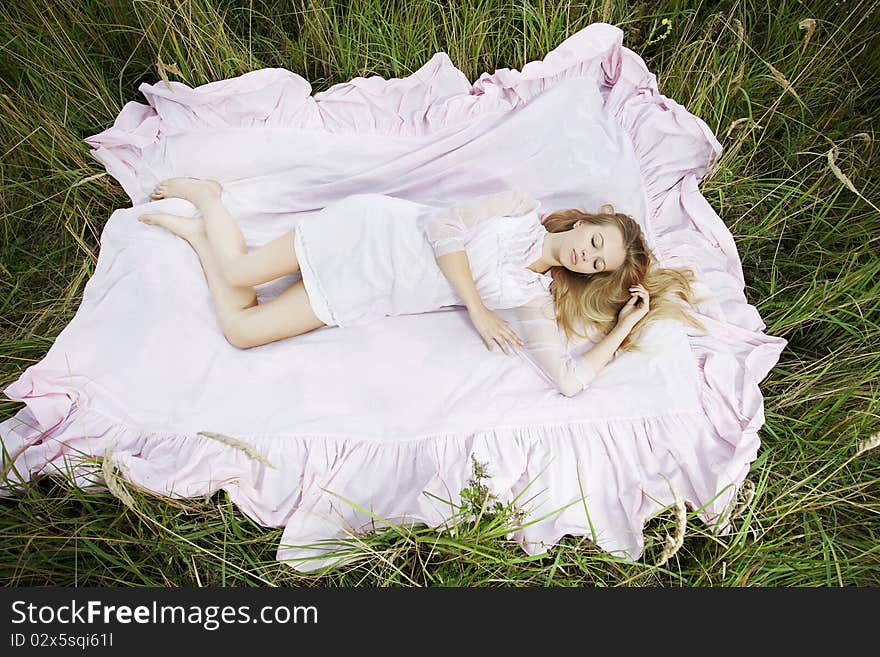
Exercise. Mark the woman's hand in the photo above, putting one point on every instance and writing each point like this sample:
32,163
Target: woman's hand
633,311
493,329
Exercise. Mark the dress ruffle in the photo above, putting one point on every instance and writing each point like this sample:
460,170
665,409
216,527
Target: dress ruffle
626,465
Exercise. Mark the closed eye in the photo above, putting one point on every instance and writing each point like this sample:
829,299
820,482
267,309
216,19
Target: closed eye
595,262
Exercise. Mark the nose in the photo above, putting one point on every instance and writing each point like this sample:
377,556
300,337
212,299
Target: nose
590,251
584,253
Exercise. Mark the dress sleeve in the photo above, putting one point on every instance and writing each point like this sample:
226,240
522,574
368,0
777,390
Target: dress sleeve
447,228
545,346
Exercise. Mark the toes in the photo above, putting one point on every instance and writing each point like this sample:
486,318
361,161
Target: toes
190,189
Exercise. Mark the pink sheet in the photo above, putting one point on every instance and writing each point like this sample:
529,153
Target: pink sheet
381,415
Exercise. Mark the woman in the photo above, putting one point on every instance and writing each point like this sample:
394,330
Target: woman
370,255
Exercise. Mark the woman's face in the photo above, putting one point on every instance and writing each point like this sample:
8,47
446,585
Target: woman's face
589,248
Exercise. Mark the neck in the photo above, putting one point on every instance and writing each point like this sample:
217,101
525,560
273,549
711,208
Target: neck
549,253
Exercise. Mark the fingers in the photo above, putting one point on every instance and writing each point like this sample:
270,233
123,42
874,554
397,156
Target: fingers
495,330
639,292
491,341
505,339
509,336
512,337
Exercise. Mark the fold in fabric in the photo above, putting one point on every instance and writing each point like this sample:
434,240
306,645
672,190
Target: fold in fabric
374,422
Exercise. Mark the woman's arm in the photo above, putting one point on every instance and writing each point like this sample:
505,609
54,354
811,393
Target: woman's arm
546,347
491,327
513,202
597,357
446,230
628,316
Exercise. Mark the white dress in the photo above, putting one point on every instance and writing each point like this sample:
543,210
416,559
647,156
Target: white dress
370,256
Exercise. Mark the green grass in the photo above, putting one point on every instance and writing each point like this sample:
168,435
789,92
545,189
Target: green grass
808,242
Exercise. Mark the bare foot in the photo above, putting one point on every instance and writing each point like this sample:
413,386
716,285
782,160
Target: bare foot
189,228
194,190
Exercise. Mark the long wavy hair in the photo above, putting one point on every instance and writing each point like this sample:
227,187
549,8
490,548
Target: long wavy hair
592,301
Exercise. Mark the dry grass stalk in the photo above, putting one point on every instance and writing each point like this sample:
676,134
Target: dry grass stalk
87,179
869,443
842,177
114,483
740,30
736,124
783,80
808,24
674,542
747,490
737,79
163,70
247,448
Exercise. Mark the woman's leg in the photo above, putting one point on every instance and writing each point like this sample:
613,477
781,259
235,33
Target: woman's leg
244,321
240,267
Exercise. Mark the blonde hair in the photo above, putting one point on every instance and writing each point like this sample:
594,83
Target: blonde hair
596,299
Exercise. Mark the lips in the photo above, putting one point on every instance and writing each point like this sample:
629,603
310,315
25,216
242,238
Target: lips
574,259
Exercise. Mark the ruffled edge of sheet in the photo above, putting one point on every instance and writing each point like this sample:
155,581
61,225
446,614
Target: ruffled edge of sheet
437,96
685,228
313,485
